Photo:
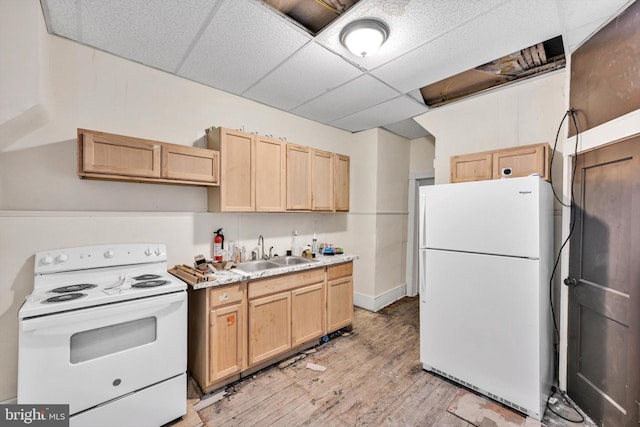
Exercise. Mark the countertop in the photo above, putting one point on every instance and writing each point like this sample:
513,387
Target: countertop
234,275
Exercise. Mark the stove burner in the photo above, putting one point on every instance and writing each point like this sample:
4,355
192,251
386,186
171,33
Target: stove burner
73,288
147,277
64,297
150,284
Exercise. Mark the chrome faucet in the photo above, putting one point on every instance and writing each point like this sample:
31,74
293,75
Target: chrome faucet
261,243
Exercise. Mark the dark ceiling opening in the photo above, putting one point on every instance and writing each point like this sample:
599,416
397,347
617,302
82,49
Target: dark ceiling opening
532,61
314,15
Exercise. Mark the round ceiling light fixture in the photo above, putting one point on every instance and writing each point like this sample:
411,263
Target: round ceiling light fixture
364,37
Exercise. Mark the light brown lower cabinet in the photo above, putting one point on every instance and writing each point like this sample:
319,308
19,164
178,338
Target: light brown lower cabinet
269,327
217,333
307,313
339,296
239,328
226,344
284,312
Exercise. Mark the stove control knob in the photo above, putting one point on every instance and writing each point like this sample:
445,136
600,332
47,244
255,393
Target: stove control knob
109,253
158,252
148,252
62,257
48,259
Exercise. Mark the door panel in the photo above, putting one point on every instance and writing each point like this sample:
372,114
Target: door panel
604,334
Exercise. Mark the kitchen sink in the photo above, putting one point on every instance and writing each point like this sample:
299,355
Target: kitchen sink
292,260
257,265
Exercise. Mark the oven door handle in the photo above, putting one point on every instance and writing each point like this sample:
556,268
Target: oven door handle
92,317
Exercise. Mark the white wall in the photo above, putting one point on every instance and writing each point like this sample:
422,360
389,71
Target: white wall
391,218
51,86
422,153
521,114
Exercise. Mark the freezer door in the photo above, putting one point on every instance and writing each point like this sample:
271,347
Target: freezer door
480,323
496,217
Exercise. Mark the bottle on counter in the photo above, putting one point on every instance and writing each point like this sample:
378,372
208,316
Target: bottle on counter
314,244
295,250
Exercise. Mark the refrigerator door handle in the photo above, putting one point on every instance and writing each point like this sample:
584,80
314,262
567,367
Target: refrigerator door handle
422,262
423,220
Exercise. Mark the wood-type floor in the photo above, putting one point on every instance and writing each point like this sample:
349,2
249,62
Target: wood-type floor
373,377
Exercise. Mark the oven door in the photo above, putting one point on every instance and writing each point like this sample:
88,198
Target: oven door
90,356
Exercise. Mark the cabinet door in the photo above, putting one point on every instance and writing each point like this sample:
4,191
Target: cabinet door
471,167
307,313
113,154
339,303
523,161
269,327
190,163
226,341
237,171
341,183
298,178
271,179
322,180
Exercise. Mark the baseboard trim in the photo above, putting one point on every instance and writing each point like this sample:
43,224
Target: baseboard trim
11,401
376,303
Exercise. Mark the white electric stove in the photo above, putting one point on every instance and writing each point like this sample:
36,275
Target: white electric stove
105,331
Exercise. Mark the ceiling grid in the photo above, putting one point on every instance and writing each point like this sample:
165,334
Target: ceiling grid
247,48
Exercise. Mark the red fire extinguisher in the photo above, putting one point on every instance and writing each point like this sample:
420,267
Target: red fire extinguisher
218,245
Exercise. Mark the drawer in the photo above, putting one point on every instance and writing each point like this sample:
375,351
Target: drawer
341,270
223,295
285,282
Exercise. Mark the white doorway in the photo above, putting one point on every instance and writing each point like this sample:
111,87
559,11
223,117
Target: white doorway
412,270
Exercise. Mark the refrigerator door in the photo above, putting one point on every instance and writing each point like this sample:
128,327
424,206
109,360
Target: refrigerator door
479,324
494,217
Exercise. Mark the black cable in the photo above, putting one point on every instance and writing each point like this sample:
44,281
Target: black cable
569,404
553,154
571,205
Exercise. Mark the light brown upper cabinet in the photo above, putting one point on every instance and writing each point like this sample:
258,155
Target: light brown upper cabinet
271,175
190,163
321,180
237,171
260,174
252,172
109,156
341,183
522,161
298,178
471,167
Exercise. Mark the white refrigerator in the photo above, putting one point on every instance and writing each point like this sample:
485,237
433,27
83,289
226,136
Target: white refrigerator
486,253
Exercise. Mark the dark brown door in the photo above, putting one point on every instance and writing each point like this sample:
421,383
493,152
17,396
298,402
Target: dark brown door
604,300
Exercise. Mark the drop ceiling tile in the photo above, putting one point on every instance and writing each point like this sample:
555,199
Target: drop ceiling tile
390,111
356,95
411,23
62,17
242,44
312,71
408,128
154,32
508,28
581,19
